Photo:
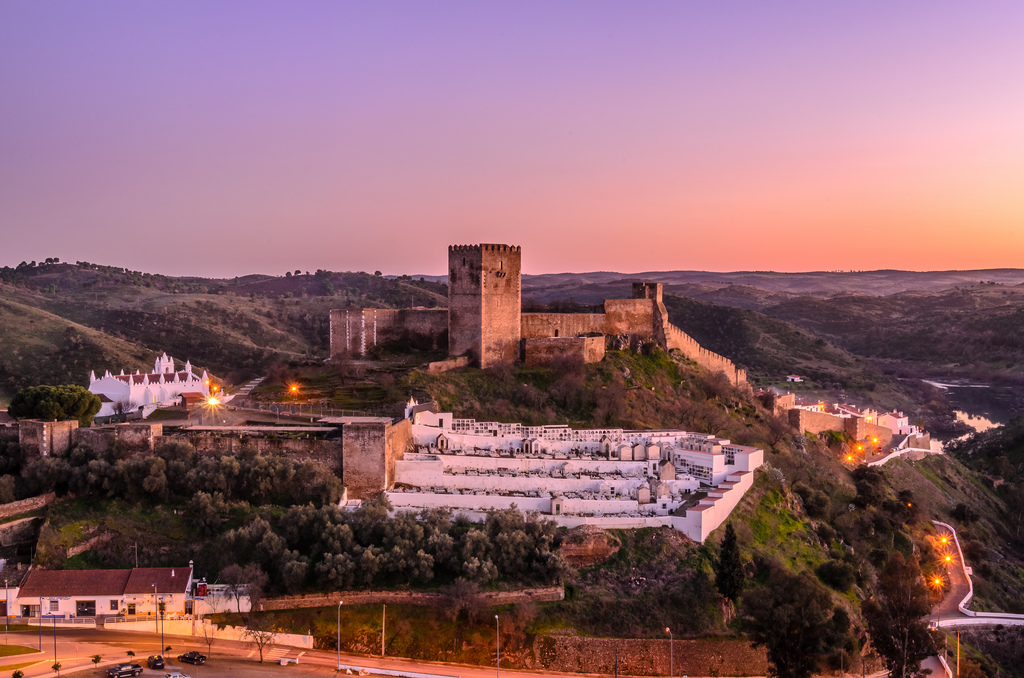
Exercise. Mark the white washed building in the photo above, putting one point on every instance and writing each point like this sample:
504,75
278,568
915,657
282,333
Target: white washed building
610,477
163,386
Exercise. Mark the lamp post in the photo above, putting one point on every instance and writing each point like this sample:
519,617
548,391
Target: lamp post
671,653
497,646
40,623
339,634
156,604
7,612
54,617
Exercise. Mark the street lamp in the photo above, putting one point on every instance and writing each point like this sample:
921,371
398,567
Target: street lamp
7,612
40,623
671,652
159,628
497,646
339,634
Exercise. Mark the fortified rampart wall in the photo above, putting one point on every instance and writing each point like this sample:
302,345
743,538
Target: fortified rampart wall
856,427
675,338
539,595
545,351
538,325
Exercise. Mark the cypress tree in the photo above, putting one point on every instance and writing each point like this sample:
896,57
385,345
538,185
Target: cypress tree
729,568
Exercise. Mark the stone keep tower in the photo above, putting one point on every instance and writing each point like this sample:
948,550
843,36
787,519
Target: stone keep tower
484,302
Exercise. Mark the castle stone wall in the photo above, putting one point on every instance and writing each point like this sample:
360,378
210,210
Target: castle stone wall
675,338
856,427
538,325
356,331
370,446
46,437
544,351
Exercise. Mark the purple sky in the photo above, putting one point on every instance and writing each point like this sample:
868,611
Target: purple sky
224,138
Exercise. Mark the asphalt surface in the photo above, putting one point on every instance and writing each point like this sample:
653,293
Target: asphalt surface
75,648
955,582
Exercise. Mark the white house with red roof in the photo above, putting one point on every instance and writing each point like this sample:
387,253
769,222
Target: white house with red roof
99,593
122,393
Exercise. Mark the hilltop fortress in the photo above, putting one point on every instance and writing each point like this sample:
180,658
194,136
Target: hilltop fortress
484,323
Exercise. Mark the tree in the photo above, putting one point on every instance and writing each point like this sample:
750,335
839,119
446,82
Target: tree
260,632
208,632
18,674
248,581
729,577
96,659
56,668
130,653
895,617
55,402
794,620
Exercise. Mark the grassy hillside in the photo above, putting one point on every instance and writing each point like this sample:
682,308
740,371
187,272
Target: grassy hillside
770,349
44,348
236,328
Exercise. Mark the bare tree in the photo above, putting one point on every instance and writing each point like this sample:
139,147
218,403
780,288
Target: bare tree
260,631
245,581
208,632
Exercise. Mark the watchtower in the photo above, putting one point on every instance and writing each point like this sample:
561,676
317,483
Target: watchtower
648,290
484,302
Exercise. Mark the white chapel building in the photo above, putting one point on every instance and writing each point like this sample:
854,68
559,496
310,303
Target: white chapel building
163,386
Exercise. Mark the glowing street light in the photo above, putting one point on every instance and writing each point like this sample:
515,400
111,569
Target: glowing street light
671,652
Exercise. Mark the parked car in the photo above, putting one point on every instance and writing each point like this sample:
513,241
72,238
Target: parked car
124,670
175,674
192,657
155,661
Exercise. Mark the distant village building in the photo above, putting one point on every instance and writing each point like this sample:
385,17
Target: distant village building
123,393
794,378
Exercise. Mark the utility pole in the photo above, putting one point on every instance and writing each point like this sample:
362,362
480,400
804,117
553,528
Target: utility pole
383,625
958,654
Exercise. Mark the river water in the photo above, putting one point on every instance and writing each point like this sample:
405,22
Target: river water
981,406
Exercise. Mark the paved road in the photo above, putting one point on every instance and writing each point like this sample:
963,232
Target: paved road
957,585
75,648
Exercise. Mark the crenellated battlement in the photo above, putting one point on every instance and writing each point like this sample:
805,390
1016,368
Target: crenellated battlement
485,247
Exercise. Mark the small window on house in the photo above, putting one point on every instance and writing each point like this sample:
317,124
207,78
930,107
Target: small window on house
113,606
664,506
131,608
501,265
54,606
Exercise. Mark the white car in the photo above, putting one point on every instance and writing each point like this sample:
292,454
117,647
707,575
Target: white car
175,675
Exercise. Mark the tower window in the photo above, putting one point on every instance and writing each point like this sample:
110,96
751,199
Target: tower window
501,265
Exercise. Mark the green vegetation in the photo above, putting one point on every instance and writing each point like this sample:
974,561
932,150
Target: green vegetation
55,402
58,321
11,650
770,349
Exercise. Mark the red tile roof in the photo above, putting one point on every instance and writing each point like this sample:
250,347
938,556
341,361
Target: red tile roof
167,579
74,583
47,583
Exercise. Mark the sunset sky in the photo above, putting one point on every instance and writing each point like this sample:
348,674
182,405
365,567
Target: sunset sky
225,138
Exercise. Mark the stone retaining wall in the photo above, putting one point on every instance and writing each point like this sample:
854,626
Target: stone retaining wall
537,595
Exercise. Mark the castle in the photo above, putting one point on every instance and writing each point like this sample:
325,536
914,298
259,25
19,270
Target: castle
484,323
